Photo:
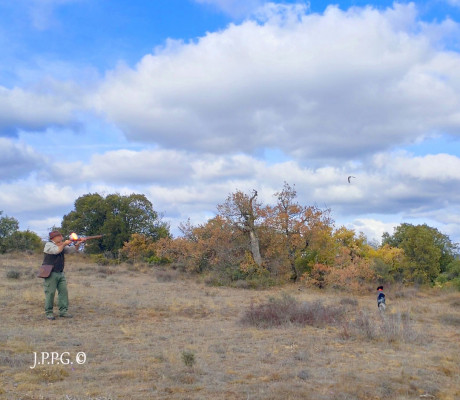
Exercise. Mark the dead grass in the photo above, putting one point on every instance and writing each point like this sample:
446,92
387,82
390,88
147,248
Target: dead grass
450,319
287,310
391,328
136,326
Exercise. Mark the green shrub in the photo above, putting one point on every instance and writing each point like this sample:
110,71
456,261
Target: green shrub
155,260
13,274
101,259
188,357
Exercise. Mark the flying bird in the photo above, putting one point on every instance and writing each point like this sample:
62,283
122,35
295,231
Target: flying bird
349,178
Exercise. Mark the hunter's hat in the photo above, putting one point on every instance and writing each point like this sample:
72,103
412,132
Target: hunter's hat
53,234
380,288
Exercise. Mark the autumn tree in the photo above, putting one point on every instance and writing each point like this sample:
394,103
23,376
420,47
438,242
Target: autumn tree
242,211
352,266
353,245
138,248
215,247
389,263
300,231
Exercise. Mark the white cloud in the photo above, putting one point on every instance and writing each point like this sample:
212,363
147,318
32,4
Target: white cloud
43,226
432,167
395,183
30,196
339,86
373,229
17,160
34,110
397,187
127,166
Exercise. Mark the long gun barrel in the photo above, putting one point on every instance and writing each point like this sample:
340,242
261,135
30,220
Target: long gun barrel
93,237
75,238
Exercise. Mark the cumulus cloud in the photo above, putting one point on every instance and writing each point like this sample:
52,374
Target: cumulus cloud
27,196
388,183
127,166
34,110
17,160
372,228
432,167
394,186
339,86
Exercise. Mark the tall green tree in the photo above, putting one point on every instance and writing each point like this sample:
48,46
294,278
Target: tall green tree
115,216
8,225
12,239
25,241
429,251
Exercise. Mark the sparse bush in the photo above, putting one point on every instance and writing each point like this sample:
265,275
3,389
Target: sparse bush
404,292
13,274
303,356
256,281
455,303
232,275
50,375
304,375
348,301
450,319
398,327
103,260
188,357
165,276
389,328
286,310
364,326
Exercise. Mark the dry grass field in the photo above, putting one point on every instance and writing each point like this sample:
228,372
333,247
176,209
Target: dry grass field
149,334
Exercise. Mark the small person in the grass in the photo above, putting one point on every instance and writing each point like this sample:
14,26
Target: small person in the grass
381,299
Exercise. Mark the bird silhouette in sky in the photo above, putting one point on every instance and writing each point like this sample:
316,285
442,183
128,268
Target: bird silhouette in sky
349,178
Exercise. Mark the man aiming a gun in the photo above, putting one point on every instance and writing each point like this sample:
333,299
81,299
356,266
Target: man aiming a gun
54,251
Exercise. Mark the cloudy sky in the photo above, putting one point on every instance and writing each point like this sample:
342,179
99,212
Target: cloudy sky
187,101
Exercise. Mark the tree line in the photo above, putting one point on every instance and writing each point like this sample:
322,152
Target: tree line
249,243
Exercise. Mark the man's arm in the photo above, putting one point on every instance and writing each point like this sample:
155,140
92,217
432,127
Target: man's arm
56,248
74,249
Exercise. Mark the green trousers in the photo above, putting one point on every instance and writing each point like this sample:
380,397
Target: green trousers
56,281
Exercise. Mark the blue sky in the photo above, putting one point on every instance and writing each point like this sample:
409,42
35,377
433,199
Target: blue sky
189,100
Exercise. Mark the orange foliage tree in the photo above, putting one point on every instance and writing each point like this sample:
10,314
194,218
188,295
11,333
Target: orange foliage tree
297,234
247,239
209,246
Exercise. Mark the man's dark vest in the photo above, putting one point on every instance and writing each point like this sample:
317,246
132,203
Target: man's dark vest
55,259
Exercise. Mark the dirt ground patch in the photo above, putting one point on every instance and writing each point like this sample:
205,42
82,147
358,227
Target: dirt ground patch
136,336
